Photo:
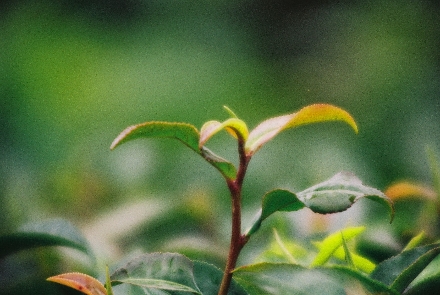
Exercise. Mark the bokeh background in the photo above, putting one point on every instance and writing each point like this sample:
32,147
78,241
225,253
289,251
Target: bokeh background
73,74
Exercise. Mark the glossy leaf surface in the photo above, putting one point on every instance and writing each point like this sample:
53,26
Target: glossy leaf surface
81,282
339,193
275,279
168,272
399,271
315,113
54,232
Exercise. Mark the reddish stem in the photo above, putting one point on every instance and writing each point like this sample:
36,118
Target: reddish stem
237,239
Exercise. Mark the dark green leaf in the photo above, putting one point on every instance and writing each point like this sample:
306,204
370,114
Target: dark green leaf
54,232
167,272
276,200
271,278
428,282
339,193
208,278
399,271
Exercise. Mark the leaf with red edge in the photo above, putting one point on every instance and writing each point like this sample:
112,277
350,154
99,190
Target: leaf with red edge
315,113
81,282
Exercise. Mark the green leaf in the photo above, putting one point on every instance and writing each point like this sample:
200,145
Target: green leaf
415,241
108,282
331,243
54,232
315,113
183,132
81,282
236,127
273,201
399,271
428,282
168,272
275,279
339,193
208,278
347,254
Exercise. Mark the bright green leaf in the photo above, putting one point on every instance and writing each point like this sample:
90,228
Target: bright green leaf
208,278
361,263
273,201
234,126
54,232
159,271
339,193
81,282
399,271
275,279
347,255
331,243
315,113
415,241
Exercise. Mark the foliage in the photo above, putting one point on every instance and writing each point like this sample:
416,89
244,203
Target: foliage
172,273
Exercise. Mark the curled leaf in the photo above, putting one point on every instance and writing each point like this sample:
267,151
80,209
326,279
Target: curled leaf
81,282
315,113
339,193
234,126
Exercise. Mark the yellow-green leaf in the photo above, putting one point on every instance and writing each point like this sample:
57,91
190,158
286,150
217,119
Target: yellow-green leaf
330,244
315,113
236,127
81,282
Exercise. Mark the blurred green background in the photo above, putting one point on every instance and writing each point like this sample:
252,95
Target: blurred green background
73,74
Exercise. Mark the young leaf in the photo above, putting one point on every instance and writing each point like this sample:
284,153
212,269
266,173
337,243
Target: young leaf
339,193
331,243
183,132
347,254
277,278
81,282
108,282
360,263
415,241
273,201
54,232
315,113
186,133
399,271
234,126
158,271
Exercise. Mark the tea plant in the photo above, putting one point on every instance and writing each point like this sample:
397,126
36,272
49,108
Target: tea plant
172,273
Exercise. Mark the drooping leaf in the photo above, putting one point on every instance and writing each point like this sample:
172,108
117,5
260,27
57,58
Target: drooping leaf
315,113
81,282
168,272
275,279
273,201
208,279
234,126
53,232
334,241
339,193
183,132
400,270
407,189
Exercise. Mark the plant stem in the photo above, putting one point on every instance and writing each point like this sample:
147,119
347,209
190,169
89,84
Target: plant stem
237,239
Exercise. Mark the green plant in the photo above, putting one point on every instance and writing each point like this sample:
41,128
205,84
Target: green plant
171,273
